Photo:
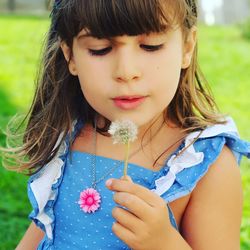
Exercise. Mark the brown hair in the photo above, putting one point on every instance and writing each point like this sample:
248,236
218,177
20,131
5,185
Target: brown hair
58,98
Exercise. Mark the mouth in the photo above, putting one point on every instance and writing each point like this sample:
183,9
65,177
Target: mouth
128,102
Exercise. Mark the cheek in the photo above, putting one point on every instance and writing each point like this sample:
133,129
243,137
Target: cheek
91,88
89,69
166,73
92,76
165,78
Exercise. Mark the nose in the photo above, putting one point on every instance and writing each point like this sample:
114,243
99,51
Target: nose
126,66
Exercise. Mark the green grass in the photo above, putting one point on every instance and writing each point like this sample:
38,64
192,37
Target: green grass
224,57
20,44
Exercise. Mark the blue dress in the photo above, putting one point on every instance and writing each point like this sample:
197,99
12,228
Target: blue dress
54,191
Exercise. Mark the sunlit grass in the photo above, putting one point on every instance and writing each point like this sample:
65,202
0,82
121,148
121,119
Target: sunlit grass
20,44
224,58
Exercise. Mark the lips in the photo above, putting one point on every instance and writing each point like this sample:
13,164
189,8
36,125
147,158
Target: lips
128,102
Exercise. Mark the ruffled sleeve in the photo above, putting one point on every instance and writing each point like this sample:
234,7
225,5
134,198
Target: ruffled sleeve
183,171
42,192
43,188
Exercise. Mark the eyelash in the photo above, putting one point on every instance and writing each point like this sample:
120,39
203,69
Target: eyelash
105,51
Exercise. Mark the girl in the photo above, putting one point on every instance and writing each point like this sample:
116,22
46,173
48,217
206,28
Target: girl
108,60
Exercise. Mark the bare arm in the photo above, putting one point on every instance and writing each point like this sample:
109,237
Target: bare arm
213,217
31,238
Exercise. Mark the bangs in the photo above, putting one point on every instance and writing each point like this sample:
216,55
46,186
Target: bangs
110,18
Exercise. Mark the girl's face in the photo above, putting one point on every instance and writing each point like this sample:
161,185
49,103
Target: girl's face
130,77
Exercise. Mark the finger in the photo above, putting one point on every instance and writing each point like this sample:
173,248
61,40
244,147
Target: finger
134,204
127,219
125,186
123,233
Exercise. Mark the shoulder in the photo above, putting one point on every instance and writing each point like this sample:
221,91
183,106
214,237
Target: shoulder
216,206
224,170
223,176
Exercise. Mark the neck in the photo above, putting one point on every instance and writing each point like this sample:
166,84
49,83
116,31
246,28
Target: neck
153,139
151,129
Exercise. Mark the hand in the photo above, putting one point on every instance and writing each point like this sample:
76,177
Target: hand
144,224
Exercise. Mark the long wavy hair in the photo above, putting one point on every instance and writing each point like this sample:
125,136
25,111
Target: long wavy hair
59,100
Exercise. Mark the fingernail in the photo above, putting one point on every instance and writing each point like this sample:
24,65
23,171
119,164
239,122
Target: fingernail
108,182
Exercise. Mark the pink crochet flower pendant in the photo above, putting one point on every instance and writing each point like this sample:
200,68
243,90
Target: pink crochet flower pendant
89,200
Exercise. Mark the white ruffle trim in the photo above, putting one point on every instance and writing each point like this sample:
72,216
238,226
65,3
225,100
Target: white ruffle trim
228,127
189,157
42,187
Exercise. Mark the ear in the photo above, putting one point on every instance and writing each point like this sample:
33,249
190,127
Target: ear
69,58
188,47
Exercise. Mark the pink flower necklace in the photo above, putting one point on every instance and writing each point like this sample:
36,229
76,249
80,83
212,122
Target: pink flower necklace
90,198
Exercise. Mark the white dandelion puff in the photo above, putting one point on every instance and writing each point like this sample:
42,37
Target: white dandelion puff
123,131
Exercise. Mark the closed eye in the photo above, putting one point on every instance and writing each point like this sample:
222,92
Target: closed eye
151,48
105,51
100,52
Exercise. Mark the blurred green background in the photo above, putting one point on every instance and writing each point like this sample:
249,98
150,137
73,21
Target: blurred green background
224,58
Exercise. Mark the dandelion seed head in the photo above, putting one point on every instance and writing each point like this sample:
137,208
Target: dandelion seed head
123,131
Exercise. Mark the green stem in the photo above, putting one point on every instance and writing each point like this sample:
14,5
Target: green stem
126,159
